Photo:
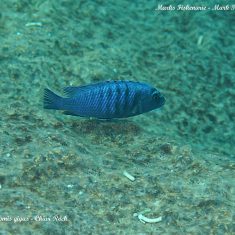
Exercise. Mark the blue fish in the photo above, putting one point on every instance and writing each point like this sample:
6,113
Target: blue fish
106,100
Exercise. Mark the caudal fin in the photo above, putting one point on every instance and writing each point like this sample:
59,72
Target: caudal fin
51,100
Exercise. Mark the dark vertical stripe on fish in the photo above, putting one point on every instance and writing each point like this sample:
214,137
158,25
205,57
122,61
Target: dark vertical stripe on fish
126,97
118,99
139,107
135,102
109,101
119,93
99,105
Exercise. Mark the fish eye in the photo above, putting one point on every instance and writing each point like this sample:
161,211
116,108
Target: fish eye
155,95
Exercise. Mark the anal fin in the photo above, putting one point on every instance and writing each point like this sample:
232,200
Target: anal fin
70,113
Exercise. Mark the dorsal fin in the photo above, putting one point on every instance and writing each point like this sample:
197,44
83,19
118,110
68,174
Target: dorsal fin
70,91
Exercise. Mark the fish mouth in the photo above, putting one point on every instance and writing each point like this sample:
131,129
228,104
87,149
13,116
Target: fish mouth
162,100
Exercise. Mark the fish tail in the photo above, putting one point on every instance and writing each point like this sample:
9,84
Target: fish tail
51,100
